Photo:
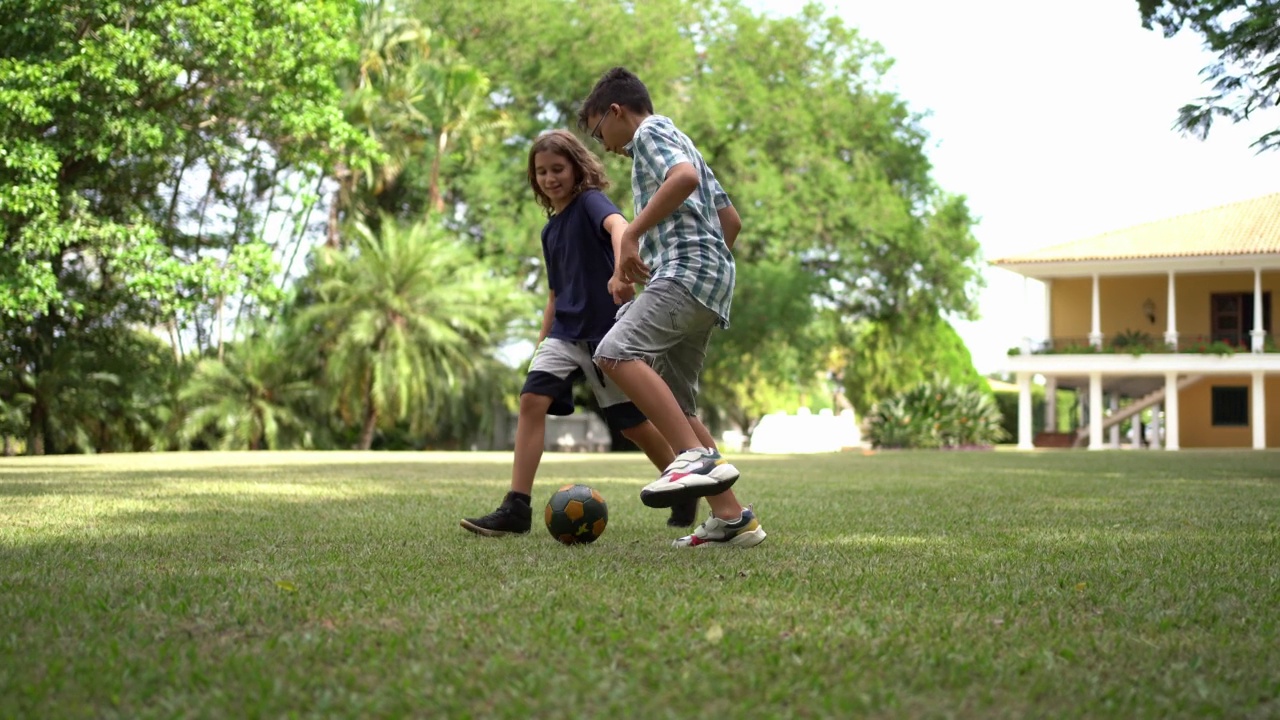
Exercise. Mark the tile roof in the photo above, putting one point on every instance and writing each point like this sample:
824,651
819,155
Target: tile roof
1250,227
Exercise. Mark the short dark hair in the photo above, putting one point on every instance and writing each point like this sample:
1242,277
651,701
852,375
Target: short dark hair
617,86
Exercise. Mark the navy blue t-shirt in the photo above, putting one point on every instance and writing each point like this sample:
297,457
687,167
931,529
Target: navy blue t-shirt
579,257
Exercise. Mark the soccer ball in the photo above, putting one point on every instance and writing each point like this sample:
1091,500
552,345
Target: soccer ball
576,514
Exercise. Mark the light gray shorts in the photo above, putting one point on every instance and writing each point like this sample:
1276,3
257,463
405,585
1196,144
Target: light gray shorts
666,327
558,364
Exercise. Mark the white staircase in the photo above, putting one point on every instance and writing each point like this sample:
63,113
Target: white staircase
1133,408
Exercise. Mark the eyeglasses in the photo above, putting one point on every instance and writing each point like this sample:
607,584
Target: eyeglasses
595,131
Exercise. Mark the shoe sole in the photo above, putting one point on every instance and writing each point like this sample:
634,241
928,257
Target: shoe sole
691,487
487,532
745,540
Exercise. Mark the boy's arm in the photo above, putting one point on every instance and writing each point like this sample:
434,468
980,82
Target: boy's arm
730,224
679,184
548,316
625,266
615,225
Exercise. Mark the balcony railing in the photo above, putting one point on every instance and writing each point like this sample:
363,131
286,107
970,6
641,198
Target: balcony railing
1140,343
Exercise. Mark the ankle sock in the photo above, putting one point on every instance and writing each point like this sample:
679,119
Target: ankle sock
520,497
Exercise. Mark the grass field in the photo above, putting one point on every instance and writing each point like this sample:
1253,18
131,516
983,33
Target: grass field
1120,584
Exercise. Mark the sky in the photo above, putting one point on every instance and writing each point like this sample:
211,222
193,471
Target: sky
1055,121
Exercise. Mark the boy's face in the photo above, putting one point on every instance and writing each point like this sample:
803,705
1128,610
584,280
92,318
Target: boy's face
611,130
555,176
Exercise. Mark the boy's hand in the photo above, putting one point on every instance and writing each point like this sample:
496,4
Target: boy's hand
630,267
621,290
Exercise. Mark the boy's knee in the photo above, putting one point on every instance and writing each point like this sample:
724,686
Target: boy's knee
534,404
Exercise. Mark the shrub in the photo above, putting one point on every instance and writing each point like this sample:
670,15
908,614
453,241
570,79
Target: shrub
937,414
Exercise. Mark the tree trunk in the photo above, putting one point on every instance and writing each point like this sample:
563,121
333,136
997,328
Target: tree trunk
173,340
370,424
35,441
343,175
221,303
331,237
437,197
9,450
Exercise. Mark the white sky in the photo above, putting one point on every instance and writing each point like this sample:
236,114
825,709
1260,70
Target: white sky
1054,119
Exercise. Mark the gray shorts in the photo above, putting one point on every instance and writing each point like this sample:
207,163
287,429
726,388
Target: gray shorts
558,364
666,327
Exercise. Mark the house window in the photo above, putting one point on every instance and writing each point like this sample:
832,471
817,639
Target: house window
1231,316
1230,407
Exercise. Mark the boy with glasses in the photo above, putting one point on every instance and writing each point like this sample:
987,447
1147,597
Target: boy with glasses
656,350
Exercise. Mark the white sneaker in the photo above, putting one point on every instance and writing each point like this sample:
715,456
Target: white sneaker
744,532
693,474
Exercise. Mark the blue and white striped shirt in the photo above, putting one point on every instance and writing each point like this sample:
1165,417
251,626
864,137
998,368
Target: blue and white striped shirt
688,245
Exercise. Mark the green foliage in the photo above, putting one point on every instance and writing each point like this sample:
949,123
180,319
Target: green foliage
772,352
937,414
254,398
1136,342
885,358
113,111
1246,78
1007,403
404,317
105,390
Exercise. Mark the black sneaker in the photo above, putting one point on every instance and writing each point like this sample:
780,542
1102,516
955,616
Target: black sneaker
512,517
684,513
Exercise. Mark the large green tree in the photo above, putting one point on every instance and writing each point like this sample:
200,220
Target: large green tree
140,145
1245,79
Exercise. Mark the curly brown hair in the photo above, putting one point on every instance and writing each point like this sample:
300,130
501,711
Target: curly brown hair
588,172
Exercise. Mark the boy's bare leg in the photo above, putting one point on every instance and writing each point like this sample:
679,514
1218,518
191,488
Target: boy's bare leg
650,441
514,515
531,430
650,393
725,505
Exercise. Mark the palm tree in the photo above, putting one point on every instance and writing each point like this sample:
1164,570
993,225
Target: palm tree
252,399
405,315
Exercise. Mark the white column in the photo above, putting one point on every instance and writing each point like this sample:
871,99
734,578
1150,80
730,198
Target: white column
1051,404
1157,426
1135,431
1258,402
1095,410
1258,334
1171,329
1095,333
1024,411
1114,404
1048,314
1025,315
1171,411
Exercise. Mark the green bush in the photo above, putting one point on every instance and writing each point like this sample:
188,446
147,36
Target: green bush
937,414
1007,403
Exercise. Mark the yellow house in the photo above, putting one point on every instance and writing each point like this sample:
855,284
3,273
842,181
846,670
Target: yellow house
1174,315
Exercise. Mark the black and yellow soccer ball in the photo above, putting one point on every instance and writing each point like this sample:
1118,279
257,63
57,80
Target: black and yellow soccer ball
576,514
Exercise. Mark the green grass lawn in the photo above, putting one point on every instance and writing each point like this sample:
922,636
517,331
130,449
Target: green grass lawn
1120,584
